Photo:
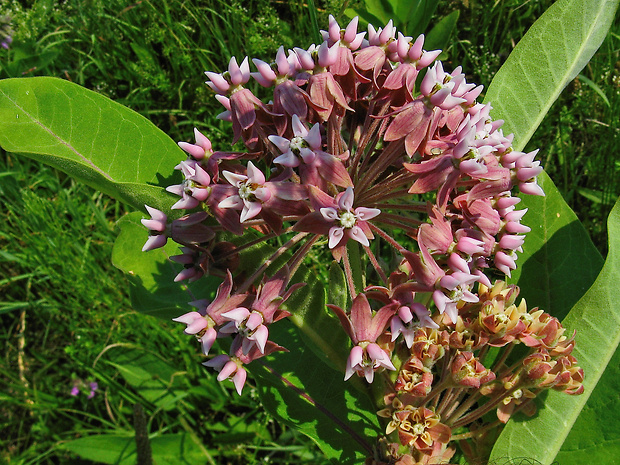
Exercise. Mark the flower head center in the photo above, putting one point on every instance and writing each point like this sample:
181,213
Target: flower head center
347,219
418,429
297,143
246,191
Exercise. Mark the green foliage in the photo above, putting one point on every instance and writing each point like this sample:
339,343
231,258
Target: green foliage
553,52
550,55
593,316
86,135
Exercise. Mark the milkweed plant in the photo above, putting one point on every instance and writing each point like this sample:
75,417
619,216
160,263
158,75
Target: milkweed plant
354,249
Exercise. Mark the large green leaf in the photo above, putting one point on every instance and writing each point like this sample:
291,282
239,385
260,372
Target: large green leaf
596,317
120,449
151,274
559,261
546,59
302,391
89,137
595,436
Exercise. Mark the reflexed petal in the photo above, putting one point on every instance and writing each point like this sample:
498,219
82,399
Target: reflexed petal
227,370
355,359
260,336
358,235
232,202
239,380
187,318
207,340
154,242
336,234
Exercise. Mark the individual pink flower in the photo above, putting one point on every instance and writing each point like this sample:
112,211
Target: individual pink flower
350,223
229,368
251,195
200,149
406,324
288,98
194,188
364,329
304,150
158,229
453,289
325,93
441,87
249,326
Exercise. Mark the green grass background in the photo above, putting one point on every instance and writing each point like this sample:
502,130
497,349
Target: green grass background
64,309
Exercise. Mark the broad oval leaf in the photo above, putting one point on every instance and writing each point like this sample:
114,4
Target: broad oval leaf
119,448
546,59
596,317
552,53
89,137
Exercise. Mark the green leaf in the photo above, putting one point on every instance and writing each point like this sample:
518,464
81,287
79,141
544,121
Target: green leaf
105,448
299,389
596,317
595,87
153,378
320,330
90,137
438,37
559,262
595,436
338,293
120,449
546,59
151,274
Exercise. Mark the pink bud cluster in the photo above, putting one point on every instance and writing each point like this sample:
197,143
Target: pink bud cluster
364,141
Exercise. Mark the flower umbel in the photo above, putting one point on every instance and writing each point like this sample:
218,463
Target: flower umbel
370,151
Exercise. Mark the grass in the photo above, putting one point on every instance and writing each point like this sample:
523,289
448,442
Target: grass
65,315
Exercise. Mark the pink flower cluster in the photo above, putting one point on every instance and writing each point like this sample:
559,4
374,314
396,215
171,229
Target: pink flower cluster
363,135
362,142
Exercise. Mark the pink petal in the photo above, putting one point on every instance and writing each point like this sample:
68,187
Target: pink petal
239,380
336,234
355,359
365,214
358,235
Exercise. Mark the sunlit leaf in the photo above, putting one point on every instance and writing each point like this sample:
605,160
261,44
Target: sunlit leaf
596,317
546,59
120,449
90,137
